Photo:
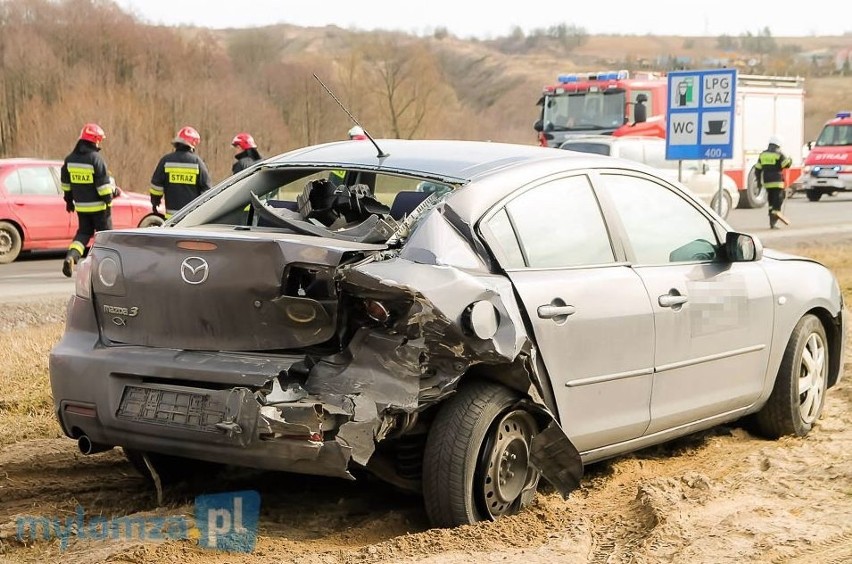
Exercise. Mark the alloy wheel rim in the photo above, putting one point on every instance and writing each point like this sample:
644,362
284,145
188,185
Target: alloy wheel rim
811,381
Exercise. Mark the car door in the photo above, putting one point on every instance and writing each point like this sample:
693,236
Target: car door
713,318
36,200
589,312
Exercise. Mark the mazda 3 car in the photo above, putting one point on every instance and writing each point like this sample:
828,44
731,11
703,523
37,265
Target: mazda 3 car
32,209
458,318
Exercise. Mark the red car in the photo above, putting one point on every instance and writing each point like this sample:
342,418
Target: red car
32,210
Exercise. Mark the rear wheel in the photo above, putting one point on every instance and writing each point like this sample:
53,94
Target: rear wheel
10,242
151,221
799,393
476,465
753,196
813,195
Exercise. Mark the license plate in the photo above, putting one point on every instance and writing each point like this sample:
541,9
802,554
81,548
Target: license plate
187,410
826,172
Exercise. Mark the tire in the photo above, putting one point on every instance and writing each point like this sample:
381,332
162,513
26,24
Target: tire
752,197
152,220
476,462
813,195
799,393
726,204
171,469
10,242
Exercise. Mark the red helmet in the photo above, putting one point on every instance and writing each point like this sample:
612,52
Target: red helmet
357,133
244,141
188,136
92,132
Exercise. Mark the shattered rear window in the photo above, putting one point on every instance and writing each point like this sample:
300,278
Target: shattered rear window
361,206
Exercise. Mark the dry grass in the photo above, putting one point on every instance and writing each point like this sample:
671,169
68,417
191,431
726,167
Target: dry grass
26,405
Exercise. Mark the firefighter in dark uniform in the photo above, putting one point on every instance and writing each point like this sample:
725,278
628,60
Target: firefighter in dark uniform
87,190
181,176
769,172
247,153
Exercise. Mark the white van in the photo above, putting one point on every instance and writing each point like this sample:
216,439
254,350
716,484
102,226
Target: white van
701,177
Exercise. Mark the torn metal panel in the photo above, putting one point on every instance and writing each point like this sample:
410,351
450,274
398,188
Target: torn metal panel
556,458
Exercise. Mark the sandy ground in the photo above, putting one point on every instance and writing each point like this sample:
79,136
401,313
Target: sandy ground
716,497
719,496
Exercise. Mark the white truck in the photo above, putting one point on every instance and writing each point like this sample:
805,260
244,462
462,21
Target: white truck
766,106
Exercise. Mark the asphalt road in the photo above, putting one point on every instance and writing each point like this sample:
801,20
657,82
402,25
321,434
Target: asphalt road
38,275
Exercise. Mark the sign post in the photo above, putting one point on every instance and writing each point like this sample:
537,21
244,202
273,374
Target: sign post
700,117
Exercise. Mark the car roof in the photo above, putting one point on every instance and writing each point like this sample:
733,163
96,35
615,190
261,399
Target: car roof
28,161
455,161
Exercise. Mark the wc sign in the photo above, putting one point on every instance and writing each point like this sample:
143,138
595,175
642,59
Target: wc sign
700,117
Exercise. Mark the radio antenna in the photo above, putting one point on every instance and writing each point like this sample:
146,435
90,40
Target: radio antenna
381,154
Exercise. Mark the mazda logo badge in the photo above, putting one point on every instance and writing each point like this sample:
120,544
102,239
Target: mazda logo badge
194,270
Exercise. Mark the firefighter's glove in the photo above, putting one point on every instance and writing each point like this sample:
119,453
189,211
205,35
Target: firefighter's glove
69,207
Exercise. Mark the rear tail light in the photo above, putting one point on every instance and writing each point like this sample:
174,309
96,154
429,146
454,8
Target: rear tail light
83,281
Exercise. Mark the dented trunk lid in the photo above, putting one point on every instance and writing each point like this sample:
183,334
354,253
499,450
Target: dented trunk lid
218,289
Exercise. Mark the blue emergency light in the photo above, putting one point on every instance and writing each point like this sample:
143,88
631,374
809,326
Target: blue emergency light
844,115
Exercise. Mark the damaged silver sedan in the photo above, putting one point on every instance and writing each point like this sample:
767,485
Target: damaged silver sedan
458,318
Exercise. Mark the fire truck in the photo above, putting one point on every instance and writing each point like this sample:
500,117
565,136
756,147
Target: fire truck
828,166
605,103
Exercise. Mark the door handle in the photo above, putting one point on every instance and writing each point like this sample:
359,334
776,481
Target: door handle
550,311
672,300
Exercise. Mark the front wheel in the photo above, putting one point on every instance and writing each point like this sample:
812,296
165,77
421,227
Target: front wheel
476,465
799,393
753,196
10,242
813,195
726,201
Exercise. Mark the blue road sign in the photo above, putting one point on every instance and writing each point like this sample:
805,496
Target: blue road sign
700,117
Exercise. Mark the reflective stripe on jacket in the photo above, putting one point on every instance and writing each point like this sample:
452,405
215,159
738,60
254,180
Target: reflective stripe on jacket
85,180
180,177
770,168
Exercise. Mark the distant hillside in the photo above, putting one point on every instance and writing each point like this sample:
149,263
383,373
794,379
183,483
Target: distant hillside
66,62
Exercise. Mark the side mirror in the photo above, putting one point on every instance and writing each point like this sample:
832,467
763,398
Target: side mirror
538,126
740,247
810,145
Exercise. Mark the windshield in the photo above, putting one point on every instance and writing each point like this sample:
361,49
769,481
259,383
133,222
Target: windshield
835,135
351,205
584,111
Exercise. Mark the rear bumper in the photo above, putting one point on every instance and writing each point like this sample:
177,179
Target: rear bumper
192,404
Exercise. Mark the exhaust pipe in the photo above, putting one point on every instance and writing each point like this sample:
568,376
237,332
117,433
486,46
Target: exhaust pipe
86,446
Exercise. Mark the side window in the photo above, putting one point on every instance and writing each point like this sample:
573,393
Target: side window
12,184
661,226
37,181
502,236
558,224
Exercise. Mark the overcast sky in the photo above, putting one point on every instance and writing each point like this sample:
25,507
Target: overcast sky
492,19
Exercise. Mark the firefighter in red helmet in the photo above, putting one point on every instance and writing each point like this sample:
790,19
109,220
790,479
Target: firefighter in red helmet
180,176
246,152
87,190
